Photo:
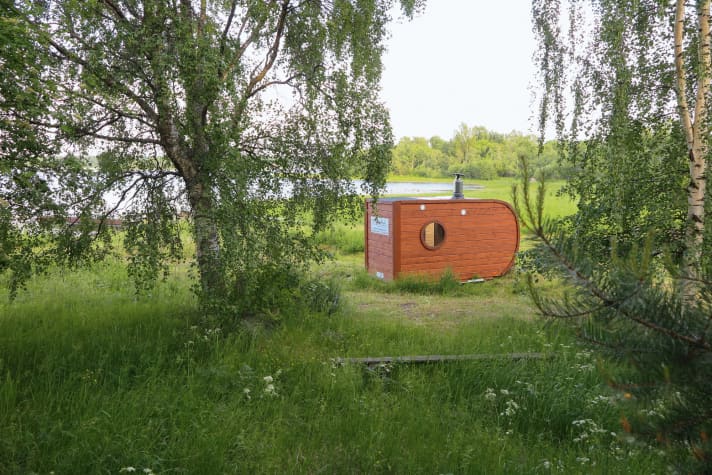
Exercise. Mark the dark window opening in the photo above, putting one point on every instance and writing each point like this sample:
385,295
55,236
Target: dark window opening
432,235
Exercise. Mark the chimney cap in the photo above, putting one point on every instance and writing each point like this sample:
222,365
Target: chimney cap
458,193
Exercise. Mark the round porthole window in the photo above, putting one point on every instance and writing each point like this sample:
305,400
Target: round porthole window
432,235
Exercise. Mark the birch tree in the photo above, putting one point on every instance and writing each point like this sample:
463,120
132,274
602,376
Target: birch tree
254,114
637,131
696,128
625,87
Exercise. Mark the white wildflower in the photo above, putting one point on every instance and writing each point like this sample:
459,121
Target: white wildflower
128,469
585,367
601,400
511,409
270,390
268,379
490,395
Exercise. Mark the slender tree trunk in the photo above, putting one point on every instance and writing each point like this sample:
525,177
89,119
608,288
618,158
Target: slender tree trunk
696,134
205,228
207,240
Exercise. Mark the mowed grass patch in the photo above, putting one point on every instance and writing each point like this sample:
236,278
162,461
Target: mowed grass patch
487,317
557,205
95,379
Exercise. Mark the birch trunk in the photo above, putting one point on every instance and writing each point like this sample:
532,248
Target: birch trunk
205,228
696,133
207,240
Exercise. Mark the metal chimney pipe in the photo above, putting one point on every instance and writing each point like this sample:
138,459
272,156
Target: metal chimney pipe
459,192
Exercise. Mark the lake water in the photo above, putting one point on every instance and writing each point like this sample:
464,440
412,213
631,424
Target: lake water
413,188
392,188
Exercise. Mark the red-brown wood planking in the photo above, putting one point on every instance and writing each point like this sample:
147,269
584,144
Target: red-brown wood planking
481,237
379,242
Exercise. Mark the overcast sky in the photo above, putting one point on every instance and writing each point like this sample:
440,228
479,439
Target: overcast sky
461,61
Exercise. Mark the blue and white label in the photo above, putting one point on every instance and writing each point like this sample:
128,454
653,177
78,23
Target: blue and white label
379,225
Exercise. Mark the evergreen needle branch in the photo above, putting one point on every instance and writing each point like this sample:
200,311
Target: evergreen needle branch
535,224
616,304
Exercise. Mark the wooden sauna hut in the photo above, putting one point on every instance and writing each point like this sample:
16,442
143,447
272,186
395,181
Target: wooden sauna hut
474,238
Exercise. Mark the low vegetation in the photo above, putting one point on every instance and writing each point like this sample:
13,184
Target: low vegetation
234,365
95,379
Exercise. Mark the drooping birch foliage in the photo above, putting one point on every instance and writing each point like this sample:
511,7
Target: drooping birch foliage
625,89
250,115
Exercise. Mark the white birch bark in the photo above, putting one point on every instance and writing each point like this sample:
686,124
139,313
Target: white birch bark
696,131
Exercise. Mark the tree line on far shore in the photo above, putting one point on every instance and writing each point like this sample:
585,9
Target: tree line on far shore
477,153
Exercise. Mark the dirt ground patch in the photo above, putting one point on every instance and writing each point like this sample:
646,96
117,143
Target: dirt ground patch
433,310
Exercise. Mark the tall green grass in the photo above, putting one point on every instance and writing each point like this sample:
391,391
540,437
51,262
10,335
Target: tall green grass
94,379
97,379
347,238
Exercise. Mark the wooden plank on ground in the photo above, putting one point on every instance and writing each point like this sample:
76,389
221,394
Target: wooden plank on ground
376,360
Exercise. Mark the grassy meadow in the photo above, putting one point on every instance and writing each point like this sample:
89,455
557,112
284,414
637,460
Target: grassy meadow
501,189
94,379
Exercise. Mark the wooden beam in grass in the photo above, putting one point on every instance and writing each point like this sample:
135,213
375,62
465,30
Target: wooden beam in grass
376,360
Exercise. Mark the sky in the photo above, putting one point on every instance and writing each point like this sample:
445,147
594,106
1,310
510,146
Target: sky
461,61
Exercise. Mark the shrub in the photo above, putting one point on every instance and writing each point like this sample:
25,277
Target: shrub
276,292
